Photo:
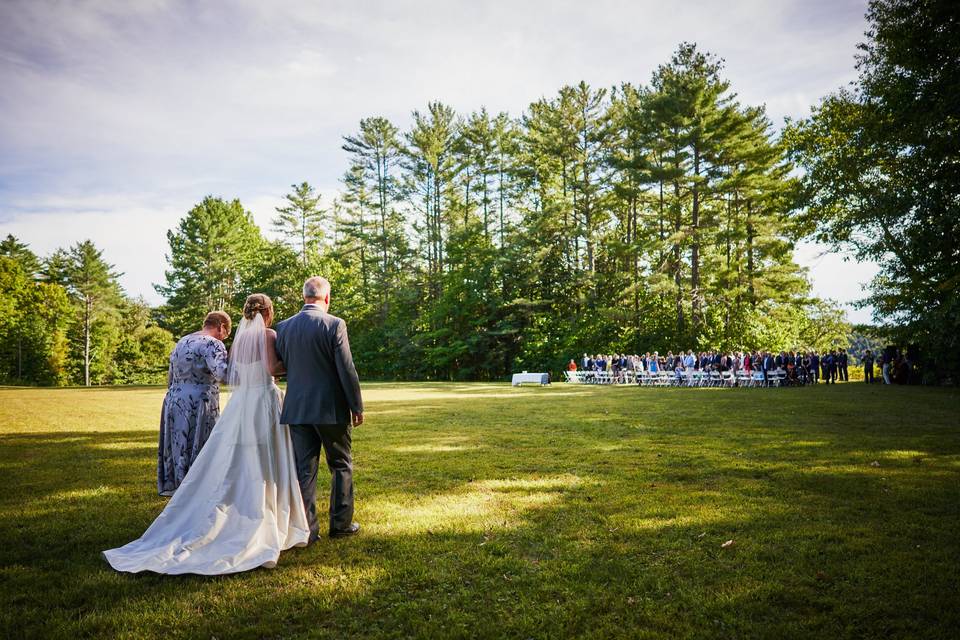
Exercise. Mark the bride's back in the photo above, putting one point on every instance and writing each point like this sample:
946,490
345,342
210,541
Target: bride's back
248,356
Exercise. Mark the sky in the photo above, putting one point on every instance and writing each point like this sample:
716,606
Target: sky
116,117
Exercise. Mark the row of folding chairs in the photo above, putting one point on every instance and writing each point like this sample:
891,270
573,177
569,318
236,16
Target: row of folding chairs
681,379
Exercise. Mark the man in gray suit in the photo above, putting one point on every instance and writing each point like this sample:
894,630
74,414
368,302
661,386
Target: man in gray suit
322,404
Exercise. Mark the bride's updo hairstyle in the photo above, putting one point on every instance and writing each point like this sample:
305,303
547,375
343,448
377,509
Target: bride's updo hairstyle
257,303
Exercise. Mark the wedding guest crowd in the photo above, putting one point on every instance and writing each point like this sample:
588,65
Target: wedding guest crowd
798,367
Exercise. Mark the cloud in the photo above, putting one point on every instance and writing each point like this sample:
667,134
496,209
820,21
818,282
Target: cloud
124,114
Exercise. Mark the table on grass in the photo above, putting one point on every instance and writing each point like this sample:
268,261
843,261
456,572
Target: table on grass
534,378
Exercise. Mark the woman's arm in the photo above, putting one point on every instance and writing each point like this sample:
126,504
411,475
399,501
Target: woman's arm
216,358
274,363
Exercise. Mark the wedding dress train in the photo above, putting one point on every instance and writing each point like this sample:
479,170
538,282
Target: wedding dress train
239,505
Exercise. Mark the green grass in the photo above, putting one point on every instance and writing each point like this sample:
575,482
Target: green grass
490,511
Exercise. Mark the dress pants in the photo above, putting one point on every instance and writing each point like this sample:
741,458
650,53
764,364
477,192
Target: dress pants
335,441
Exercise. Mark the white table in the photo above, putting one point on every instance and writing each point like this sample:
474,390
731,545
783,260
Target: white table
535,378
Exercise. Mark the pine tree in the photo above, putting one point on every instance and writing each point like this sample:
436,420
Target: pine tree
301,221
213,251
376,149
92,283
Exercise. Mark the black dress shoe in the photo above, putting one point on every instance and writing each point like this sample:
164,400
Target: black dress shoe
352,530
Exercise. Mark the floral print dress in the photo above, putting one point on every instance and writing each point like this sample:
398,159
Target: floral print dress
191,407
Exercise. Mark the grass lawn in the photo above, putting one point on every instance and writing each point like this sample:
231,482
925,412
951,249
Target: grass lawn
490,511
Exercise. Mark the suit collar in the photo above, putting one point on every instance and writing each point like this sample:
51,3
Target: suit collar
311,307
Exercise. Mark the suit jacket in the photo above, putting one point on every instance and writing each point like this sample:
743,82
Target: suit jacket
322,383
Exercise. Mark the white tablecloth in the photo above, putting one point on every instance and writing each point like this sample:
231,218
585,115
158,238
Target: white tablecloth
536,378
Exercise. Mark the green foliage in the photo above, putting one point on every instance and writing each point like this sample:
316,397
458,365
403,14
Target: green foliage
92,285
21,253
74,326
213,254
301,221
34,319
143,348
881,176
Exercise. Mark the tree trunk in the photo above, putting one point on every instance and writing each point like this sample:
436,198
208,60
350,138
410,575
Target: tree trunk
750,265
695,305
86,341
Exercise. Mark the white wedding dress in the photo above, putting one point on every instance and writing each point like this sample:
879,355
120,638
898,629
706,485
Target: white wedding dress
239,505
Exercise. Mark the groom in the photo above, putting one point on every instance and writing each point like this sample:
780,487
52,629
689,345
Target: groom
322,404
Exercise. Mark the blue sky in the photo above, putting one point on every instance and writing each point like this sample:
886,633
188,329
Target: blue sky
118,116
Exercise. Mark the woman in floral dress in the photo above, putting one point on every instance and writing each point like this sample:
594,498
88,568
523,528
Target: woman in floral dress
192,405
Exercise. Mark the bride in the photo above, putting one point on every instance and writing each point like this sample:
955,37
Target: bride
239,505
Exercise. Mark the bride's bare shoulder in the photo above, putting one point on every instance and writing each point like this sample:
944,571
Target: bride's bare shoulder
271,334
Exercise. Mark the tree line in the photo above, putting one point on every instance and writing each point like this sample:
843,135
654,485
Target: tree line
618,220
65,320
621,219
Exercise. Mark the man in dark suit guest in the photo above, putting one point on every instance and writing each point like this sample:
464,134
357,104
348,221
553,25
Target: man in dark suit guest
842,366
768,365
831,362
867,361
815,367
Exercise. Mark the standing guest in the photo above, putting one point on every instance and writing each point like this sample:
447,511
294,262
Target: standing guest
654,363
803,368
831,362
842,366
825,367
198,364
868,367
885,369
571,366
815,367
591,364
768,365
584,362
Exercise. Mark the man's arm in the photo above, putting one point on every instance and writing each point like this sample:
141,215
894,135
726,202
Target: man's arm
274,363
347,372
